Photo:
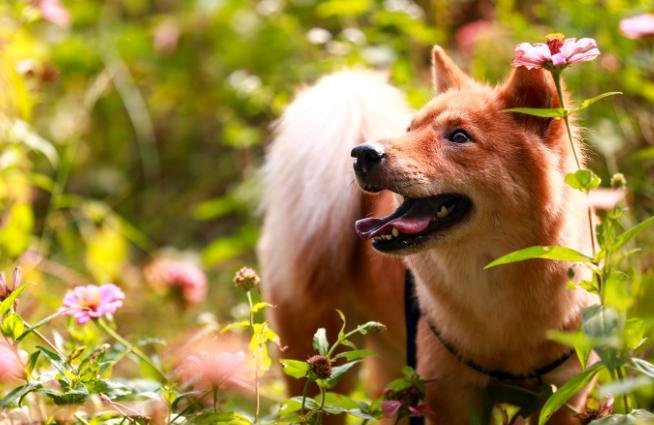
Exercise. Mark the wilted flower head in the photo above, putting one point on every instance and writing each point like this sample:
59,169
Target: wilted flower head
557,53
221,364
11,368
91,302
55,12
638,26
320,366
246,279
166,274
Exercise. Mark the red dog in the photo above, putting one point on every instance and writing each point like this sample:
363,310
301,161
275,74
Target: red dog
469,184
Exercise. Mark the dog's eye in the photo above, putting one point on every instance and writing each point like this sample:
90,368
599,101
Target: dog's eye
459,136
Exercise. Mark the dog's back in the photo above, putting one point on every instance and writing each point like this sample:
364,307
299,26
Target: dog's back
308,247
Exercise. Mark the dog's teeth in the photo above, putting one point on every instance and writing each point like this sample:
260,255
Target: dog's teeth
388,237
442,212
395,232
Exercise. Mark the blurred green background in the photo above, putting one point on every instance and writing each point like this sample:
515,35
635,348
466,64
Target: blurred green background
132,129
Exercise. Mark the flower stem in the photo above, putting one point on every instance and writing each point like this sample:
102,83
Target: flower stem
138,353
304,395
557,82
256,367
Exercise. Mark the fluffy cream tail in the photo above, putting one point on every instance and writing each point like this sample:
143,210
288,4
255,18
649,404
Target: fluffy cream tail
310,197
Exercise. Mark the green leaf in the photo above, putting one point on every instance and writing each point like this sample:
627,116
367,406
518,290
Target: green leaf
354,355
241,324
12,326
295,368
540,112
643,366
371,327
567,391
17,394
338,372
560,253
636,417
583,180
260,306
8,302
320,342
634,333
631,233
628,385
577,340
587,102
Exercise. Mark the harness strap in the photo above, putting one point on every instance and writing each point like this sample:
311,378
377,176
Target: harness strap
500,375
412,314
411,317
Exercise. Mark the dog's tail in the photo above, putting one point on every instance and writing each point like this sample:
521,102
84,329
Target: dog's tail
310,196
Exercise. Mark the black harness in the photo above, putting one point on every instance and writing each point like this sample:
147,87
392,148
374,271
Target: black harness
412,315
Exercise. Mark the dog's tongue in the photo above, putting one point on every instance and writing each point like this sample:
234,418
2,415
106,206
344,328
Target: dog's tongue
415,219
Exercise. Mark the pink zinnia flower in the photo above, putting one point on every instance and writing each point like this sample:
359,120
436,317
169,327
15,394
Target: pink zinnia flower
55,12
557,53
166,274
221,364
91,302
11,368
638,26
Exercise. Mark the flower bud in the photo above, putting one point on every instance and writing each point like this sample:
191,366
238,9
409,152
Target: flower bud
319,367
618,180
246,279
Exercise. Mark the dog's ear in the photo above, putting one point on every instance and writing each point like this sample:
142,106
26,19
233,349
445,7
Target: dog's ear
445,73
530,89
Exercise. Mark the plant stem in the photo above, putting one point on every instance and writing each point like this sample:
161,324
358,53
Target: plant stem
104,327
256,359
41,336
34,327
557,82
625,397
304,395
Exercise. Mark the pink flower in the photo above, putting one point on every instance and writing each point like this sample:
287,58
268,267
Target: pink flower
469,34
390,408
91,302
638,26
55,12
557,53
221,364
164,274
11,368
605,199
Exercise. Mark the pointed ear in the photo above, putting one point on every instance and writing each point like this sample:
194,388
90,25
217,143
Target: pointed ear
445,73
530,89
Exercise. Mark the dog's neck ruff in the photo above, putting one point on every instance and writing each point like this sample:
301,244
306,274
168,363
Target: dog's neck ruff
412,313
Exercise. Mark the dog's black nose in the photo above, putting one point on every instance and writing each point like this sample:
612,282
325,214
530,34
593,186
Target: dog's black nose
367,157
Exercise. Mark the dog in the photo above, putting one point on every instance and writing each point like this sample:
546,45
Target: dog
446,190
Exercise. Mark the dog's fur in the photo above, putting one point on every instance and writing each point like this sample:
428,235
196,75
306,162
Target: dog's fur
513,171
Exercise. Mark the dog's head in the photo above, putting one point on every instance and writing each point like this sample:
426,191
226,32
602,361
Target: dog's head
465,166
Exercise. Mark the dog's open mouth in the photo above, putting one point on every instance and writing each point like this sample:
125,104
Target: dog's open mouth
414,221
